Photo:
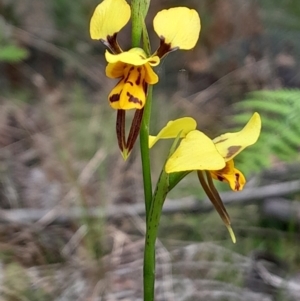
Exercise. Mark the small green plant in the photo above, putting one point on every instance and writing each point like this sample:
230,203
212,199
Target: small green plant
18,287
10,52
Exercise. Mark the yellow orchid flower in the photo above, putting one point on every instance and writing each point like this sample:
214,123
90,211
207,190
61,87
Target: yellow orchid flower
198,152
177,28
212,158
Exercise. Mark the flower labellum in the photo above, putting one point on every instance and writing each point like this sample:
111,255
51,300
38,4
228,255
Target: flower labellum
135,73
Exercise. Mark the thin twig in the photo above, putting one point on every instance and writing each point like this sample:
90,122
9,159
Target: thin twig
186,205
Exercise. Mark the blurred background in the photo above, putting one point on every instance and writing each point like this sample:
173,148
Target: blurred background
72,218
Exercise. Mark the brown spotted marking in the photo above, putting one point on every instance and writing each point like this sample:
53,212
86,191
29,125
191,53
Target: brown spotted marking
115,97
222,140
152,62
220,178
232,150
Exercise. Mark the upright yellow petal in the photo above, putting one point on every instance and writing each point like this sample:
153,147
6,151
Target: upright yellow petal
178,26
173,128
231,144
109,17
195,152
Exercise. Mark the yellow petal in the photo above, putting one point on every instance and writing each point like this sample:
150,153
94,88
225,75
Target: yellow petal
109,17
129,93
195,152
115,70
173,128
150,76
231,144
135,56
231,175
178,26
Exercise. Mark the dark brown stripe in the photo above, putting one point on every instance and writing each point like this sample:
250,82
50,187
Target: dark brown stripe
133,99
138,80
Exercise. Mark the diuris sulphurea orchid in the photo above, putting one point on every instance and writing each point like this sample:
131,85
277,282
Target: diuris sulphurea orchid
177,28
211,158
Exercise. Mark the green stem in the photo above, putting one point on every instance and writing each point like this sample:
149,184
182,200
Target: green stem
152,222
149,251
139,9
145,155
153,219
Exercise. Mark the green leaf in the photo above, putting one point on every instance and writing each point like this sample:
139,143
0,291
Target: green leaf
153,219
12,54
263,105
280,135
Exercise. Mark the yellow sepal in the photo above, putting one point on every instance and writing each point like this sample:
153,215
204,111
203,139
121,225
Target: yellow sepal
135,56
178,26
173,128
195,152
231,144
109,17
